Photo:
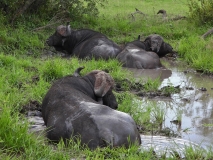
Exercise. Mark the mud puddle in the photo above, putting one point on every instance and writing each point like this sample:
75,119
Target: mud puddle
190,112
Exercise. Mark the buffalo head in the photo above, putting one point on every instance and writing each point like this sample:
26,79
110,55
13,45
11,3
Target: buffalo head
154,42
103,86
58,38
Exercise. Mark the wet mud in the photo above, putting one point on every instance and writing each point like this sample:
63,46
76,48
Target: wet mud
188,110
188,113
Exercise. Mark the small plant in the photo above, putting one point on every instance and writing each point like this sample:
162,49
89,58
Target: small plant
168,90
207,125
74,9
153,116
196,152
158,115
152,85
201,11
129,104
52,72
179,115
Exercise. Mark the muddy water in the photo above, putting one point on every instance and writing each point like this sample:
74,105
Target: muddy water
192,107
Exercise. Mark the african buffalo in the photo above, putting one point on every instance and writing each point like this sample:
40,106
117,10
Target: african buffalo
139,43
135,57
154,43
83,43
84,106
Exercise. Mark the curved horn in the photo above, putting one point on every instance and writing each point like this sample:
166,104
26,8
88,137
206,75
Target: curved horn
139,37
68,29
77,71
103,83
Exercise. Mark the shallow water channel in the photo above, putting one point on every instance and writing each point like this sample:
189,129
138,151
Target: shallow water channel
192,107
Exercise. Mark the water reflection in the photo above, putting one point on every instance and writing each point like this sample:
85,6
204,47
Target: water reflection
194,105
167,146
161,73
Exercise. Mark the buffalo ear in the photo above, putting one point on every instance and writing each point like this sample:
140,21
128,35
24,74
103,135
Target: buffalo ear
103,83
64,30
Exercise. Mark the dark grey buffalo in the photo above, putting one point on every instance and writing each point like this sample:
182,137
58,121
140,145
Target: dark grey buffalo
135,57
83,43
141,44
84,106
154,43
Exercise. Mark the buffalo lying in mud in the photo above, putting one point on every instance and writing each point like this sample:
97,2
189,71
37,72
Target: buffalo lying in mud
135,57
157,45
154,43
84,106
83,43
141,44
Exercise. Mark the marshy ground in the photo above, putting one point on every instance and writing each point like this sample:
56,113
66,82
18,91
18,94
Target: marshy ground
182,106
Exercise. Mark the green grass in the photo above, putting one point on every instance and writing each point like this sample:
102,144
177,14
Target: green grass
26,74
197,52
183,35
